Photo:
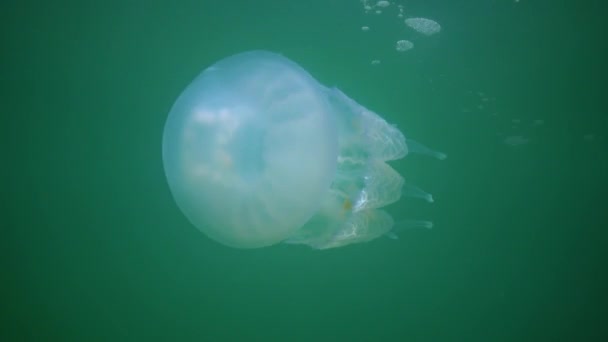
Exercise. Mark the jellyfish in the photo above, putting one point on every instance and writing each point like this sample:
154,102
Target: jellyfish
425,26
256,152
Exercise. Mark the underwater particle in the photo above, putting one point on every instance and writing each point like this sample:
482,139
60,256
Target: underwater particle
375,62
257,152
378,11
383,3
516,140
589,137
425,26
404,45
516,121
364,28
366,6
538,122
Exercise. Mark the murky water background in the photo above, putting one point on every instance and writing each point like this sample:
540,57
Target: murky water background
94,248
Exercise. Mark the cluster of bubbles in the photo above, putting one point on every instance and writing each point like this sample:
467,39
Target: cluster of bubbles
378,6
514,132
424,26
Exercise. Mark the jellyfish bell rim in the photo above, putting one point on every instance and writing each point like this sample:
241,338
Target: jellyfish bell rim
283,194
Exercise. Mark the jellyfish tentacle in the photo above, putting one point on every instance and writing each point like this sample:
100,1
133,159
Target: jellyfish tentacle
407,224
410,224
410,190
416,147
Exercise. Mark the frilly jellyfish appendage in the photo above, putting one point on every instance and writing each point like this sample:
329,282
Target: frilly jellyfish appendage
257,152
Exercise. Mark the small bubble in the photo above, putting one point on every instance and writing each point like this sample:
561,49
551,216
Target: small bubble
516,140
404,45
589,137
538,122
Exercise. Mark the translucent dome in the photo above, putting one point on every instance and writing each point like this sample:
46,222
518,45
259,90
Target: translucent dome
257,152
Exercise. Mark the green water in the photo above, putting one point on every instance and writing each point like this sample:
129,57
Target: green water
94,248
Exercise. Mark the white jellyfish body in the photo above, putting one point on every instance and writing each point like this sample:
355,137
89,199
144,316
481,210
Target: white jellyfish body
423,25
257,152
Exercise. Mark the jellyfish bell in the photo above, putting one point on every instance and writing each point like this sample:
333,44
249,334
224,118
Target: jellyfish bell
249,148
256,152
